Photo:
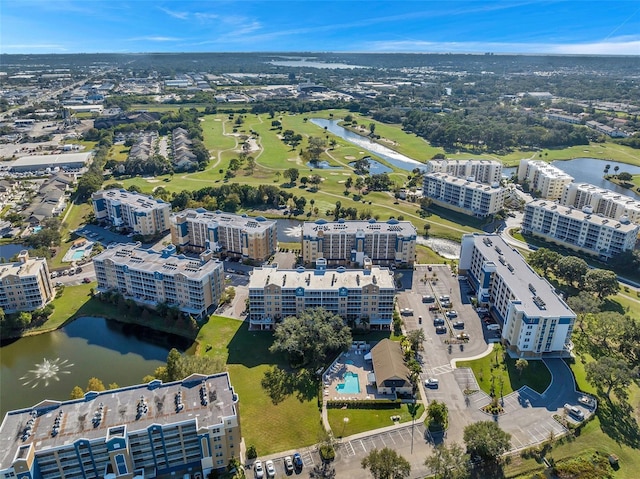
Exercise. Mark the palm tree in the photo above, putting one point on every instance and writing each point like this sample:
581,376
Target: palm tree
615,169
606,169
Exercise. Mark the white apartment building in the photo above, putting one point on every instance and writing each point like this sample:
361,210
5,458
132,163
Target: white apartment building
25,285
346,243
480,171
238,236
535,320
150,277
143,214
358,296
592,199
462,195
580,231
544,178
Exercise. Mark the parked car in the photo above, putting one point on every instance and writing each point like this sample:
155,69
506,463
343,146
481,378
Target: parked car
78,269
458,324
86,280
258,470
406,311
428,299
493,327
452,314
438,321
587,401
58,284
462,336
297,461
574,412
271,469
433,308
419,319
432,383
441,329
288,464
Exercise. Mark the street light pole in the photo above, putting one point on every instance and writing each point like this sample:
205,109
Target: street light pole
345,421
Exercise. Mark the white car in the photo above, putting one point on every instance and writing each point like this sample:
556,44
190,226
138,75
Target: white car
432,383
452,314
288,464
258,470
271,469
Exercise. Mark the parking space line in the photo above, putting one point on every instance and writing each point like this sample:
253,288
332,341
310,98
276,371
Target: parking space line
362,445
349,448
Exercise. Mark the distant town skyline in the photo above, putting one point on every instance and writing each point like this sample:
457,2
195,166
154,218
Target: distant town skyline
586,27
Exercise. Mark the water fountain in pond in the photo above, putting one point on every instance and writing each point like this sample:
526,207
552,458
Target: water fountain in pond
47,370
294,232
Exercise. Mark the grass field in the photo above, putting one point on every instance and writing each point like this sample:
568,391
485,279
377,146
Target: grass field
505,376
361,420
294,422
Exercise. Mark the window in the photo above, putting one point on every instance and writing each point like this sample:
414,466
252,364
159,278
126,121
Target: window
121,464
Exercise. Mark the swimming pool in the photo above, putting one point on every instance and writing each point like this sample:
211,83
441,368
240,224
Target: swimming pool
351,385
77,254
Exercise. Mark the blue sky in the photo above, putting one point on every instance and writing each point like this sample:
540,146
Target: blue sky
512,26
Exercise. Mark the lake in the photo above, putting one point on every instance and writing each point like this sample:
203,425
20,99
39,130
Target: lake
8,250
393,157
48,366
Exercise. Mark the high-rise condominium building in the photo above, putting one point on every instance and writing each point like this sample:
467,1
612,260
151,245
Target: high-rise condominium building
25,285
592,199
535,320
142,214
480,171
238,236
462,195
149,430
345,243
544,178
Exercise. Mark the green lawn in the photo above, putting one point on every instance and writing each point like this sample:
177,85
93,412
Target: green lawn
294,422
361,420
427,256
536,375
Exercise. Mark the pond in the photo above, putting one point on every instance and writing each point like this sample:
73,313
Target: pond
48,366
322,165
393,157
375,167
289,231
8,250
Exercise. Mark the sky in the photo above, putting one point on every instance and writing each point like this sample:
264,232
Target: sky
597,27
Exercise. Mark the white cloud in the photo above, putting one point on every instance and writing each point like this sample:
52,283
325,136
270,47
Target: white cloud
621,47
175,14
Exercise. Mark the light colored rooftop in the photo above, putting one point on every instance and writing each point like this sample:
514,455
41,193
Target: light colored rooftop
258,224
321,280
538,297
470,161
579,215
464,183
164,262
609,195
120,407
137,200
45,161
401,228
29,268
548,170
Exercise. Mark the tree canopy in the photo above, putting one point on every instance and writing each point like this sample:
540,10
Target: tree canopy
448,462
311,337
386,464
601,282
486,440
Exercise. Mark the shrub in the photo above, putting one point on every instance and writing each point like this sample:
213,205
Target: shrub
251,452
327,452
365,404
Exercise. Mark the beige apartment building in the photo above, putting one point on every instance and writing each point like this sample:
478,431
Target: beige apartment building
544,178
25,285
150,277
177,429
358,296
142,214
464,196
347,243
237,236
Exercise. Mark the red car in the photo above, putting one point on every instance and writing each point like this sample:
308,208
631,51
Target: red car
86,280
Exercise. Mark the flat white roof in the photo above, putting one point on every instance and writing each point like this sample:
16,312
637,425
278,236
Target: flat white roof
579,215
401,228
331,279
44,161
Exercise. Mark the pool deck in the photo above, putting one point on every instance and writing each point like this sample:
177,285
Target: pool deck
85,250
352,361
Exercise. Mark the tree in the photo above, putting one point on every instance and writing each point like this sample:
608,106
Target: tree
486,440
416,338
610,374
584,303
311,337
521,365
624,176
76,393
438,414
292,174
604,332
24,319
372,129
572,269
448,462
386,464
426,228
173,366
95,384
601,282
314,148
615,169
543,259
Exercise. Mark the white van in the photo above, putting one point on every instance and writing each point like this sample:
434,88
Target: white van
493,327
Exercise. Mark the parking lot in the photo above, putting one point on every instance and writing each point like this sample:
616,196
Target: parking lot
391,439
102,235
